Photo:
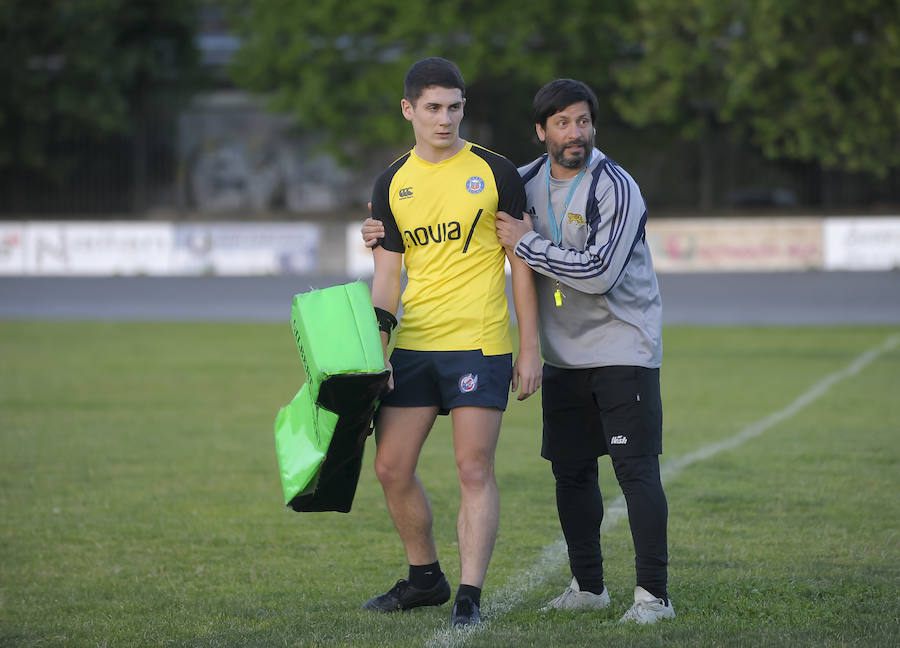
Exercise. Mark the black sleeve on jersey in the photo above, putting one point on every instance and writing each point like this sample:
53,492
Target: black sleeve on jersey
509,184
381,209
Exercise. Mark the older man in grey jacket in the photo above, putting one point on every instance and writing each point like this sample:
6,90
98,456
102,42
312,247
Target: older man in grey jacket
600,320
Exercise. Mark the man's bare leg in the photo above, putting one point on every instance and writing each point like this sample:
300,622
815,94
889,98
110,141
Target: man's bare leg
475,434
400,433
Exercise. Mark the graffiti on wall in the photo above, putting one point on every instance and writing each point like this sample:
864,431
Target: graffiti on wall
237,158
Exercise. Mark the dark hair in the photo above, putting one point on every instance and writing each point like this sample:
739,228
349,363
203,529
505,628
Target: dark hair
559,95
434,71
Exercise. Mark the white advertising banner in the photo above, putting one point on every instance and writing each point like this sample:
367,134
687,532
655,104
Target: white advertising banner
97,248
246,249
862,243
109,248
359,258
12,248
735,244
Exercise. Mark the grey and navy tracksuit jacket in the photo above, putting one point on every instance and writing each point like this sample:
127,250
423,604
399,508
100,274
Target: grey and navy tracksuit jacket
611,312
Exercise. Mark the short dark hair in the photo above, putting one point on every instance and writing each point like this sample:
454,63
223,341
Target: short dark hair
559,95
434,71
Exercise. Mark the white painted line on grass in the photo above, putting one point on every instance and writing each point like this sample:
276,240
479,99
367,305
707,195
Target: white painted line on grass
554,554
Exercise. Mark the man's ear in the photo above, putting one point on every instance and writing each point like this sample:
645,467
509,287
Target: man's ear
406,108
540,132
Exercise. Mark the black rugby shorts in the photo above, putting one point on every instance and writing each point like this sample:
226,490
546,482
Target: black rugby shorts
449,379
601,410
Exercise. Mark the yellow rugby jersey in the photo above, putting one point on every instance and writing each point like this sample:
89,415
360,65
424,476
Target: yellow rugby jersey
441,217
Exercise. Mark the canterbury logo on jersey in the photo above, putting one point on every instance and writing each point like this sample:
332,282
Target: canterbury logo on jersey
405,192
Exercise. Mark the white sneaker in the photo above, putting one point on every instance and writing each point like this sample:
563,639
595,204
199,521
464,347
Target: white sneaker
647,608
574,599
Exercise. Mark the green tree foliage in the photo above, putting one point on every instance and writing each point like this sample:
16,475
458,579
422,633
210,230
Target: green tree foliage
808,81
338,65
72,70
816,83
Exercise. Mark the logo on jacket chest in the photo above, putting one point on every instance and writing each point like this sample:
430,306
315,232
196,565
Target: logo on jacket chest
573,219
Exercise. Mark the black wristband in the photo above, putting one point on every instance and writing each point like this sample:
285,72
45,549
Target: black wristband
386,320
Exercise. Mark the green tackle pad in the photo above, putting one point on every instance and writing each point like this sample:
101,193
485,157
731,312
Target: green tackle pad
320,435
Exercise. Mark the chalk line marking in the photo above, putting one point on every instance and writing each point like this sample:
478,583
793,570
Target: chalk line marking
554,554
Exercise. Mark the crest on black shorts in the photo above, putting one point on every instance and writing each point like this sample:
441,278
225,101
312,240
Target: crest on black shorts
468,383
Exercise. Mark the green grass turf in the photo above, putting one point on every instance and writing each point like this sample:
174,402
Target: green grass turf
141,503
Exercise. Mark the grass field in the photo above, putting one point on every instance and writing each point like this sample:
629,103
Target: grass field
141,503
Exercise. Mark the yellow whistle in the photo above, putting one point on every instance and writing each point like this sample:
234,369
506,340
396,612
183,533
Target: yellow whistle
557,297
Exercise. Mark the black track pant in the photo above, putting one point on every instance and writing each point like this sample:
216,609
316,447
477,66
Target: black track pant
580,507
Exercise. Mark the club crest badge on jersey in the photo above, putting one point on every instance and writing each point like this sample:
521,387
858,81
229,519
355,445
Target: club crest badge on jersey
474,185
468,383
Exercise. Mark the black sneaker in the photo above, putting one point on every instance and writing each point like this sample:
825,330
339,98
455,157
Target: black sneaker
404,596
465,612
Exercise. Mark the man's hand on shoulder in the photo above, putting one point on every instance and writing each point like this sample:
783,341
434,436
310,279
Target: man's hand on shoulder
511,230
371,230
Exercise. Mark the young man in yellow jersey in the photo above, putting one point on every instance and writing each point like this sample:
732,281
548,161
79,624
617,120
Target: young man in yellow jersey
453,352
601,338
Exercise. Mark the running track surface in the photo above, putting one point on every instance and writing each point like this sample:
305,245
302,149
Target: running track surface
796,298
